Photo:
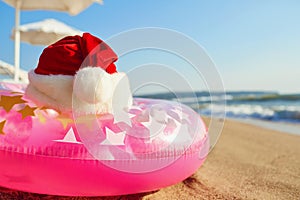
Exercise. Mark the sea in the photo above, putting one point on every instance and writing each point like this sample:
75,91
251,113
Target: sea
268,109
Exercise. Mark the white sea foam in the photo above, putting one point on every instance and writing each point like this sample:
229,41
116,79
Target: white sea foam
269,106
273,113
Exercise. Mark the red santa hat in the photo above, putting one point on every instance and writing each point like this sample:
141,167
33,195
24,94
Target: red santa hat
77,71
69,54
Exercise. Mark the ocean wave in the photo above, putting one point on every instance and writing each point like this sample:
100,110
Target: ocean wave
273,113
258,105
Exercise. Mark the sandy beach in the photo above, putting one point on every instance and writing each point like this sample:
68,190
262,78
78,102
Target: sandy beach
248,162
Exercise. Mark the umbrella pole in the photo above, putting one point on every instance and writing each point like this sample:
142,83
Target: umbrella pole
17,41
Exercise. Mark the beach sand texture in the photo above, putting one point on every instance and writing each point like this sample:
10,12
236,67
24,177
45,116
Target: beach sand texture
248,162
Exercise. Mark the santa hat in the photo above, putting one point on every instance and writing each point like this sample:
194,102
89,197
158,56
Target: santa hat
78,72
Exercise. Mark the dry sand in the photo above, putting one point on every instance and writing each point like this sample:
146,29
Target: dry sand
248,162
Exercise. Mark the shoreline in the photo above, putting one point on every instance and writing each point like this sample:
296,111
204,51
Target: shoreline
284,127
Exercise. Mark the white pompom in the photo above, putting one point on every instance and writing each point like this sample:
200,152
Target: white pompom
90,85
93,85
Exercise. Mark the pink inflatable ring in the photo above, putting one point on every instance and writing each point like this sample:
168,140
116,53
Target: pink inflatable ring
159,144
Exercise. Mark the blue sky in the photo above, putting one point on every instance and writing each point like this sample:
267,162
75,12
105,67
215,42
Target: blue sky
254,44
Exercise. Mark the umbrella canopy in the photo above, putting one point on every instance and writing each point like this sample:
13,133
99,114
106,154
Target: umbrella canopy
7,70
45,32
73,7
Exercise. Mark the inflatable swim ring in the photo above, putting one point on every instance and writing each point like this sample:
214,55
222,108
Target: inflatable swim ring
76,130
42,151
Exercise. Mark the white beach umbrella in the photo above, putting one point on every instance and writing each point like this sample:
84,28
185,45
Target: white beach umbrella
73,7
9,70
45,32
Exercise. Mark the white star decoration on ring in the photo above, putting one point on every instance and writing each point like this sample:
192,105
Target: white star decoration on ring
69,137
158,119
113,138
182,115
155,128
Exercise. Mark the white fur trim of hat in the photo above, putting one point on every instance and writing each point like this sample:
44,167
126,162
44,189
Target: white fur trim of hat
90,91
